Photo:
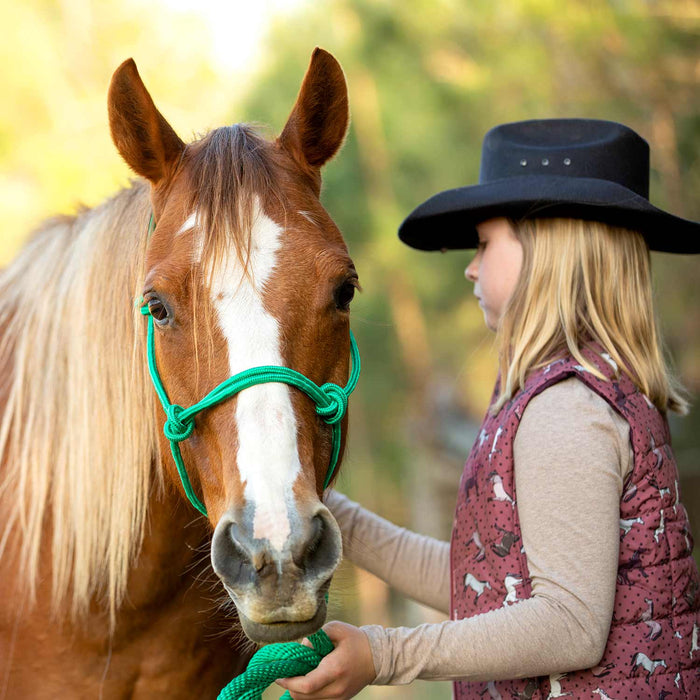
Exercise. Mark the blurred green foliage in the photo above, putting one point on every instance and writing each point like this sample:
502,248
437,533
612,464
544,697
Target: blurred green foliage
427,79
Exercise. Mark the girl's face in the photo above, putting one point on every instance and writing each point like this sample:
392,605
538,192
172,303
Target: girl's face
495,268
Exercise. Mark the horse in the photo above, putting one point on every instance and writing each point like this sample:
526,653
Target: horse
111,584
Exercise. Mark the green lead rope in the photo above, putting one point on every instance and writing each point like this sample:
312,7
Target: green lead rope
277,661
274,660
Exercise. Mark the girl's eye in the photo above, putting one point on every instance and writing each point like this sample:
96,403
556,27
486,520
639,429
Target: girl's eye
344,295
158,311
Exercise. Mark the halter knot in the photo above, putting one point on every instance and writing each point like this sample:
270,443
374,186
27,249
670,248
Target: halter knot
175,428
337,403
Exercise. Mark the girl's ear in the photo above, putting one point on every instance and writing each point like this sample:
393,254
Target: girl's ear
144,139
319,119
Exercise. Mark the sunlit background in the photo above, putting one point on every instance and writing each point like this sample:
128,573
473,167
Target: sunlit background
427,79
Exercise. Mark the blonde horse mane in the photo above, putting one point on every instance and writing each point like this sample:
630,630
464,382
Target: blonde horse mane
78,436
78,433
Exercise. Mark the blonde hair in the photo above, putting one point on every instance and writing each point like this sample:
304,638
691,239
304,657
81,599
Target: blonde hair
78,431
584,281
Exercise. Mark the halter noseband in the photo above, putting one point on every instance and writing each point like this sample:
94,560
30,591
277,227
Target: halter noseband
331,401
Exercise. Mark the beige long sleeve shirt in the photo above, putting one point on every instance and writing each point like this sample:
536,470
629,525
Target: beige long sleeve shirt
572,453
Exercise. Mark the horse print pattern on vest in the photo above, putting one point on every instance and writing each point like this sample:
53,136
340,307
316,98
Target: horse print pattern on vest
653,648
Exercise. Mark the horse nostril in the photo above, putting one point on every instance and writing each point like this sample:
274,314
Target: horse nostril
320,552
314,542
231,558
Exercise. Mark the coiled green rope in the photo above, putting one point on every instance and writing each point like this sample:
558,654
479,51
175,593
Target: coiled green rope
277,661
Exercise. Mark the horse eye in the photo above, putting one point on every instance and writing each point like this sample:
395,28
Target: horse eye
158,311
344,295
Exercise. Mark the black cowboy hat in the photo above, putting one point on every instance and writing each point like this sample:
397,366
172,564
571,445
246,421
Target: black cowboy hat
574,168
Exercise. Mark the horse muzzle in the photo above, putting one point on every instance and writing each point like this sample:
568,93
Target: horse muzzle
280,593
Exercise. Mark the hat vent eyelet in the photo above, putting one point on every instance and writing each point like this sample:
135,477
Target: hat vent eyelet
523,162
545,161
567,161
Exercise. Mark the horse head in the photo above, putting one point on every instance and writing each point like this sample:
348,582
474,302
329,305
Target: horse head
245,268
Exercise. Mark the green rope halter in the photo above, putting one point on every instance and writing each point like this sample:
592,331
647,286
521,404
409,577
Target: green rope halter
273,661
331,403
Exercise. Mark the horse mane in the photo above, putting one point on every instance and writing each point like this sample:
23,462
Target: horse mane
78,436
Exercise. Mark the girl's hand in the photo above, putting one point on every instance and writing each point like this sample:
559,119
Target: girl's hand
340,675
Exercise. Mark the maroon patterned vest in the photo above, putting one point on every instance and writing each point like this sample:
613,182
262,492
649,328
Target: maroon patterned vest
653,649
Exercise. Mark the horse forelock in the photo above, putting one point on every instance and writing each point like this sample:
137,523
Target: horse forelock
230,171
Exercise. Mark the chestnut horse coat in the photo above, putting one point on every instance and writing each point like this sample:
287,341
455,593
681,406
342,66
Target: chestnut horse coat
652,649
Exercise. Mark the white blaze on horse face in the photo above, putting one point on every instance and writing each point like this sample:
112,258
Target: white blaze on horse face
198,246
191,220
268,458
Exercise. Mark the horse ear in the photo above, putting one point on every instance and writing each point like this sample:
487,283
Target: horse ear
144,139
319,119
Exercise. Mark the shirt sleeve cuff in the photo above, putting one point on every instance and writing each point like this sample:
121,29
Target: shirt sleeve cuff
376,635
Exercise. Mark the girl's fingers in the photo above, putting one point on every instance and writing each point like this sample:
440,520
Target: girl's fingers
312,683
341,674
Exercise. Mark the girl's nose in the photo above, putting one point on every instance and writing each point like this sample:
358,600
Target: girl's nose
472,271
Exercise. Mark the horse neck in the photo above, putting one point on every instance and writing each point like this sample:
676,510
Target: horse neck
173,561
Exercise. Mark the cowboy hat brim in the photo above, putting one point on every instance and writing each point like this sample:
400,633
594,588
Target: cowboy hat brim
447,221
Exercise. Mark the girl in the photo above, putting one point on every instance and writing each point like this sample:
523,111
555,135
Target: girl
569,571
